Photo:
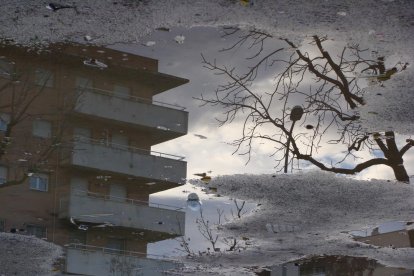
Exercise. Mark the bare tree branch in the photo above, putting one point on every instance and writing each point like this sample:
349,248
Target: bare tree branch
327,103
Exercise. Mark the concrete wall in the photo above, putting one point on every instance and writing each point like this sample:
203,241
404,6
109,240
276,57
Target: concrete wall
128,162
99,210
289,269
99,263
133,112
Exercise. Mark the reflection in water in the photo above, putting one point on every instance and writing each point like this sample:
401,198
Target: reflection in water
193,202
308,80
77,127
333,265
213,153
201,225
395,234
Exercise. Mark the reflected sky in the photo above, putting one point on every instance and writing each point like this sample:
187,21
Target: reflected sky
206,146
381,229
394,234
217,210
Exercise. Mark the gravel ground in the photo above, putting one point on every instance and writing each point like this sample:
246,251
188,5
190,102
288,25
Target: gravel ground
27,255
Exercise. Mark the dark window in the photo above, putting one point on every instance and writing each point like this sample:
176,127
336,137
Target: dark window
4,121
36,230
6,68
116,244
2,225
3,174
42,128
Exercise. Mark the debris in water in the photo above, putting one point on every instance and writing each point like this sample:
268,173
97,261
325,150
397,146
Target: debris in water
83,227
387,74
179,39
163,128
95,63
246,3
164,29
56,7
200,136
149,43
204,177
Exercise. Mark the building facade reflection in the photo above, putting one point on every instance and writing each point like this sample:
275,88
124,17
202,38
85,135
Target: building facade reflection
77,125
333,265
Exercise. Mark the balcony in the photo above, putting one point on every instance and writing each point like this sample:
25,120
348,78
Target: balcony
92,260
157,166
87,207
164,120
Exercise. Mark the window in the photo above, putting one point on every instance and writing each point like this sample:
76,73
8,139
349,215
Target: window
6,68
2,225
42,128
44,77
116,244
36,230
39,182
3,175
4,121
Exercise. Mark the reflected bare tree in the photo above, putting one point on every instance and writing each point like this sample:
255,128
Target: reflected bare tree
21,91
209,231
239,209
327,87
206,230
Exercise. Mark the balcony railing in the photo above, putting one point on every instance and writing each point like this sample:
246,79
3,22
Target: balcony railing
126,148
126,200
153,165
130,97
107,250
88,207
167,120
94,260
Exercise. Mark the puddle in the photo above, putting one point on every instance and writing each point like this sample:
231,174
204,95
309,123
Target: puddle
88,177
215,210
333,265
93,176
395,234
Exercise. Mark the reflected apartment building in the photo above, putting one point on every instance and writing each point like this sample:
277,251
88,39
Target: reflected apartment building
77,124
334,265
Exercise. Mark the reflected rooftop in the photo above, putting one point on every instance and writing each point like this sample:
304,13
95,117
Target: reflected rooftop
333,265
